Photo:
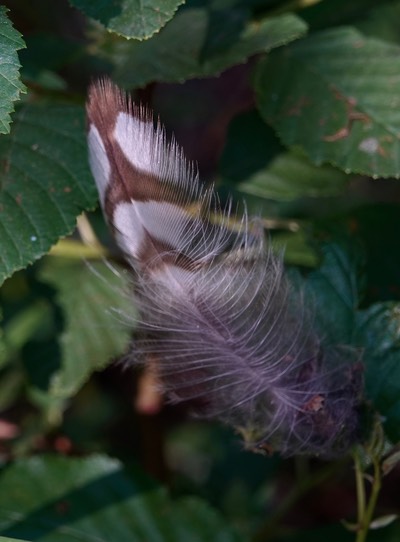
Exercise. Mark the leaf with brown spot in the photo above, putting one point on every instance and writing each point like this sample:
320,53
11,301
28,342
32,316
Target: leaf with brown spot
330,92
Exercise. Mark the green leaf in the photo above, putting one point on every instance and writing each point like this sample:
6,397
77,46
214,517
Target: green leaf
98,315
130,18
334,290
182,50
337,95
10,83
290,176
253,155
296,248
378,333
59,499
45,182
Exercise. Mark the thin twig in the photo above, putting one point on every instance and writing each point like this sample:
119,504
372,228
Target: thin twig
374,451
360,487
369,511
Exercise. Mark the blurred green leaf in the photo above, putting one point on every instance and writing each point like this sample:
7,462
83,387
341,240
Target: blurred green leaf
11,382
337,95
20,329
98,316
45,182
57,499
182,50
291,175
10,84
130,18
253,155
207,457
296,248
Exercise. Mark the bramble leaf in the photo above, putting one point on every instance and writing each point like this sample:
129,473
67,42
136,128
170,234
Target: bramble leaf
10,82
336,94
45,182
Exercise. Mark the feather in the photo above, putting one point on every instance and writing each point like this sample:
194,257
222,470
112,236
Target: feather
229,332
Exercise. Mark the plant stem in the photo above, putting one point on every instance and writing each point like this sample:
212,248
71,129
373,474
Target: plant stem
86,232
69,248
366,510
360,488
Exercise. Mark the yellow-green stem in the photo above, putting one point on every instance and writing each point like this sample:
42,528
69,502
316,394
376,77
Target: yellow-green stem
366,512
360,488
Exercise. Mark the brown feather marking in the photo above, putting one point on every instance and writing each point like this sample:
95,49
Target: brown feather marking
127,182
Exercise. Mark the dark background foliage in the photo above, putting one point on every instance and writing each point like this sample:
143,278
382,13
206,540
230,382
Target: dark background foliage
290,105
